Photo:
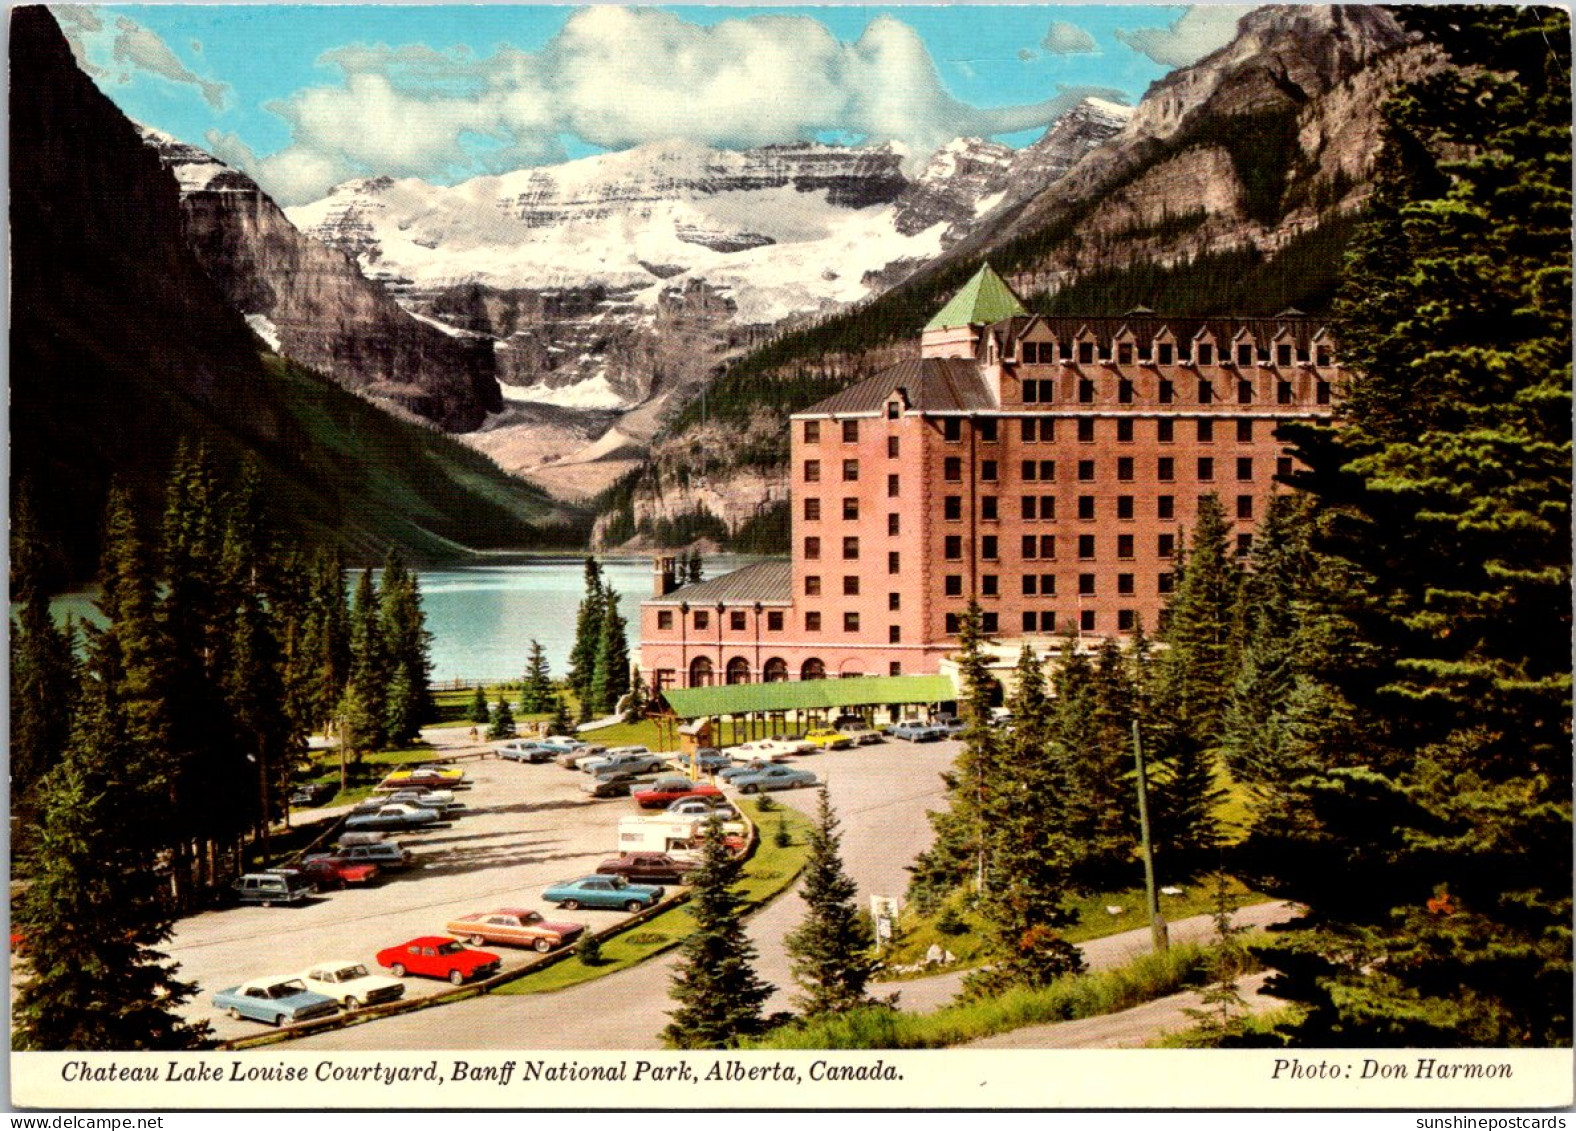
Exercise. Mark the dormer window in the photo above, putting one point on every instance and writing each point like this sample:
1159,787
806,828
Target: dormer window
1124,353
1244,353
1164,349
1283,355
1066,351
1085,353
894,410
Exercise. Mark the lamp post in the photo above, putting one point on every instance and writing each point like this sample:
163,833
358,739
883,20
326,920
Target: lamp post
1157,925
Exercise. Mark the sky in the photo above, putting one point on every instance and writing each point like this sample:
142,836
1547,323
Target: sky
305,97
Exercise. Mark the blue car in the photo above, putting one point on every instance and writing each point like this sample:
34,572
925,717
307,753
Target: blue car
522,751
775,777
914,731
613,893
277,1000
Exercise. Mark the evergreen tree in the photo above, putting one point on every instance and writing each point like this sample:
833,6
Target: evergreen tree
719,995
370,668
503,721
1198,630
560,723
408,647
833,948
588,637
610,676
637,697
1444,502
1090,731
536,692
479,712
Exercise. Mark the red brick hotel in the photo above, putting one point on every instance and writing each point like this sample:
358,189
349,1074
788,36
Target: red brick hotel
1043,466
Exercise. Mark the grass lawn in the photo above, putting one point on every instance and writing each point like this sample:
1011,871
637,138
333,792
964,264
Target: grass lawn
770,871
373,769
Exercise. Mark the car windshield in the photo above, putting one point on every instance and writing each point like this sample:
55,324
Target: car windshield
450,948
531,917
350,973
287,989
619,882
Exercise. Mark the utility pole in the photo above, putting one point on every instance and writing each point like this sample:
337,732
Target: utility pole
1157,925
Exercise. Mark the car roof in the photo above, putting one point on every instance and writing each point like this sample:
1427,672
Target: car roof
269,980
428,940
336,962
521,911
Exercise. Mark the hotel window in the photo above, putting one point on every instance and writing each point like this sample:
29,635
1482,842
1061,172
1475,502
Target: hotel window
774,622
850,622
812,471
850,585
1047,431
1244,545
952,429
1047,621
1244,431
1124,620
1124,431
1124,583
1166,392
850,471
953,621
988,508
988,547
1244,392
1047,470
892,447
1031,429
1283,392
1086,391
892,486
1283,355
1323,356
893,521
1206,469
1048,507
1086,431
990,623
1166,545
988,470
1164,349
987,430
850,431
1244,506
1166,471
894,562
812,622
665,619
1124,353
1244,468
1085,353
1124,506
1206,353
988,585
812,431
1086,585
1031,547
702,620
1031,621
1030,470
1124,546
895,668
1085,470
1124,391
850,549
1085,546
1165,506
812,510
1165,582
952,585
1085,507
1124,469
1030,511
894,634
894,602
1165,431
1086,620
1321,392
1206,431
1283,466
1206,392
1031,392
952,469
850,510
1047,585
812,549
736,622
812,585
894,410
1244,354
1031,585
1048,546
952,508
953,547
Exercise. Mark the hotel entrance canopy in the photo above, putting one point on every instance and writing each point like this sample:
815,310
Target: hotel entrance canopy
808,695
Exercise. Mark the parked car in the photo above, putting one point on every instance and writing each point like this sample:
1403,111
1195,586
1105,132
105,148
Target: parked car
434,956
444,776
733,773
704,807
603,892
386,854
859,733
330,872
526,751
707,760
351,984
761,750
269,888
514,926
648,867
274,1000
616,783
401,815
775,777
664,791
951,726
364,837
826,738
571,757
638,759
912,730
440,801
313,793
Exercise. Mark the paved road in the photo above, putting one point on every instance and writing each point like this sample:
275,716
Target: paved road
881,793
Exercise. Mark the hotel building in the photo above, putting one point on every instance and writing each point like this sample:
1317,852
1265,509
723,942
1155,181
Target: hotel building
1046,467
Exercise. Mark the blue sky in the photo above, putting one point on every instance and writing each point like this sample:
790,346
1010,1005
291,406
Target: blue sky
303,97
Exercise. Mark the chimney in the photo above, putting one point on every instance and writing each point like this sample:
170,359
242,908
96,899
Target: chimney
663,576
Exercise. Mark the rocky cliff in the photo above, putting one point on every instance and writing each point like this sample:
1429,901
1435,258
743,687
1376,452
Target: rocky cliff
311,302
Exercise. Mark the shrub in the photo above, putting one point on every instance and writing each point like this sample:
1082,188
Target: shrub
589,950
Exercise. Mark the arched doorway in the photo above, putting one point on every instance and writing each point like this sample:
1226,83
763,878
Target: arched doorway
700,672
738,670
851,668
775,671
813,669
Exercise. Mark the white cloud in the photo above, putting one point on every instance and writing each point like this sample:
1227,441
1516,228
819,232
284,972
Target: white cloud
1199,30
132,49
1064,38
618,77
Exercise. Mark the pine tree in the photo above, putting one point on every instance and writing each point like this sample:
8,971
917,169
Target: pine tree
1198,631
636,709
610,675
719,995
560,723
369,665
588,636
536,692
1090,735
833,948
479,713
408,647
503,721
1444,502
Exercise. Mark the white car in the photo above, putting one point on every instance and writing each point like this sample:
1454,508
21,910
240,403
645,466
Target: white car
765,749
350,984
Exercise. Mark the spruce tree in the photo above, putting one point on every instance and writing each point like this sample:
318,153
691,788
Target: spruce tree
610,675
1090,737
719,995
1198,630
370,668
560,723
833,948
503,721
408,648
588,636
536,691
479,713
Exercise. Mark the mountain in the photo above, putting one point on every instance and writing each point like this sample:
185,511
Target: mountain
310,301
122,346
1231,187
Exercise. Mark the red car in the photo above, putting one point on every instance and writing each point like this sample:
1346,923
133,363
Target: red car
664,791
435,956
330,872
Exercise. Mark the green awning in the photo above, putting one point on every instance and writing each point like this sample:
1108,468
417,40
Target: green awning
808,694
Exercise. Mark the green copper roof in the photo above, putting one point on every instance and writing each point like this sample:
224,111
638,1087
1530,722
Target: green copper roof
984,299
808,694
